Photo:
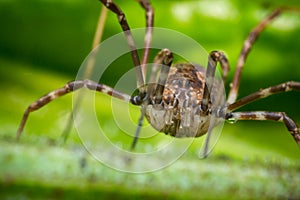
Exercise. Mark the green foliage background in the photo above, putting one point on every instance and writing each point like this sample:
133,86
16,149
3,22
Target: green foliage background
42,45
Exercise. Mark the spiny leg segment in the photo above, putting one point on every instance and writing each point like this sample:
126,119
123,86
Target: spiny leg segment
69,87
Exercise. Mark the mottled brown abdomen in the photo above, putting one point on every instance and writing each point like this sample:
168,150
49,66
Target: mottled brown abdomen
180,113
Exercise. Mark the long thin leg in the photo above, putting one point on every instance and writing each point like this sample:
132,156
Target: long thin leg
149,31
273,116
252,37
263,93
138,129
89,68
224,66
69,87
141,72
125,27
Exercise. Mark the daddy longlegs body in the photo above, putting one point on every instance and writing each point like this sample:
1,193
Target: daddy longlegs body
180,104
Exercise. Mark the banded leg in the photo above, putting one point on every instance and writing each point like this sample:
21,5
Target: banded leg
125,27
252,37
149,31
69,87
263,93
141,72
89,68
272,116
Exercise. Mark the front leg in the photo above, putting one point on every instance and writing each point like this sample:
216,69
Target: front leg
69,87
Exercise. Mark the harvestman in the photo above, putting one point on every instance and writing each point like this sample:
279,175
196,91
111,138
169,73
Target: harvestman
181,103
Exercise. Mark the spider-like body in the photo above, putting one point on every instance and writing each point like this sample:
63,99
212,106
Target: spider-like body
183,100
178,114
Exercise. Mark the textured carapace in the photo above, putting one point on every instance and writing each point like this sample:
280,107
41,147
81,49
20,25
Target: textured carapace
180,114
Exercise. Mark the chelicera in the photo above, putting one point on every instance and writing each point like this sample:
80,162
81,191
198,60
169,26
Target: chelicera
185,98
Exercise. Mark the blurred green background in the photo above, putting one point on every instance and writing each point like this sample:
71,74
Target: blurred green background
42,45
